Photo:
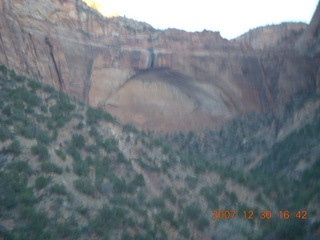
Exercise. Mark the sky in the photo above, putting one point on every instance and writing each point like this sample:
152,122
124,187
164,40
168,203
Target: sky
230,17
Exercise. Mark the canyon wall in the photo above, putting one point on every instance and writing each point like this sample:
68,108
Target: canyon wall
160,80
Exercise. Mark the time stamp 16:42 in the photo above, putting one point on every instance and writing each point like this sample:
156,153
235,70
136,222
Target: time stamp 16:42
259,215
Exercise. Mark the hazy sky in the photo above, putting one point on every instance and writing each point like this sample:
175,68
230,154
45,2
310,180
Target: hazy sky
230,17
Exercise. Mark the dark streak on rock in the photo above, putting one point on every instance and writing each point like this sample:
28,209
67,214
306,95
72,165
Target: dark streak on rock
61,83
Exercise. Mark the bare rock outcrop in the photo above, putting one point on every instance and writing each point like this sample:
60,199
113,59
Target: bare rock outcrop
309,42
281,36
162,80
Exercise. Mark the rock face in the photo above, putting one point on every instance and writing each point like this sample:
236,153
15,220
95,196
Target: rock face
161,80
309,42
282,36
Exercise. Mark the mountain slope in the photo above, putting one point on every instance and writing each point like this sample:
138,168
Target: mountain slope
72,172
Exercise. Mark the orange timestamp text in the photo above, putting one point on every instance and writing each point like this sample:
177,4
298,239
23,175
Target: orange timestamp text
259,215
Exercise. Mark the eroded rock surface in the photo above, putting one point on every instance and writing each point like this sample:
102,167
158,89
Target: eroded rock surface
161,80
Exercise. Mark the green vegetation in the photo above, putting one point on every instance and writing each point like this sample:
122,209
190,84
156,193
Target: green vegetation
185,232
192,212
85,186
43,137
211,197
138,181
22,94
28,130
78,141
81,168
110,218
130,128
41,151
157,203
58,189
149,182
42,182
49,167
202,223
20,166
61,111
95,115
167,193
110,145
5,133
191,181
14,148
61,154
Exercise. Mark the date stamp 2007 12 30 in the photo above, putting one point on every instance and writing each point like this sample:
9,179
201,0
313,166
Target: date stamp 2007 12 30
261,215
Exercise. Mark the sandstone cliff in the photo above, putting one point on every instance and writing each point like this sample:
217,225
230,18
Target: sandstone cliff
281,36
161,80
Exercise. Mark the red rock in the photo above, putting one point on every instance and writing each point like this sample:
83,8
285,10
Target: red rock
162,80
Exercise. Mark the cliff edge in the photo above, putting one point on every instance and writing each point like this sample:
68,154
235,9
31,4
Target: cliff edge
160,80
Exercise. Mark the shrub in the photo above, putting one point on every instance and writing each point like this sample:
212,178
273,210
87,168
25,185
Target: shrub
84,185
3,69
17,115
167,193
24,95
157,202
211,196
110,219
61,111
44,108
129,128
14,148
49,167
102,168
41,182
126,236
121,158
185,232
5,133
82,210
41,151
35,224
28,130
202,223
165,215
34,85
78,141
74,153
233,197
26,197
81,168
111,145
7,110
89,160
20,166
60,154
119,185
192,212
92,149
191,181
58,189
68,229
95,115
79,126
138,180
48,89
43,137
10,184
